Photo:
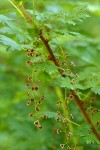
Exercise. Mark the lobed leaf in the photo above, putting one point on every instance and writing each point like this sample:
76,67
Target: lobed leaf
12,45
5,19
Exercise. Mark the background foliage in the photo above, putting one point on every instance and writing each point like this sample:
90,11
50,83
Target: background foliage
81,42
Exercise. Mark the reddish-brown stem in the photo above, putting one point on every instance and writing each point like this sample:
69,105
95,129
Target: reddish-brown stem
86,116
49,49
77,100
51,53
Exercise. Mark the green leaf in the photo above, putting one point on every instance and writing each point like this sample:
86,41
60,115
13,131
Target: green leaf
90,80
91,139
77,14
5,19
33,32
84,130
62,82
6,30
96,89
93,81
12,45
48,67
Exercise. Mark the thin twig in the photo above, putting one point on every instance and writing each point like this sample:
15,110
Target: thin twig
53,58
86,116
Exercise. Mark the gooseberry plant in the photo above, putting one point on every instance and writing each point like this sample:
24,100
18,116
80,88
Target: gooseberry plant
42,34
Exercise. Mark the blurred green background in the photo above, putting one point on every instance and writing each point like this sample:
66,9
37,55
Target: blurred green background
17,131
